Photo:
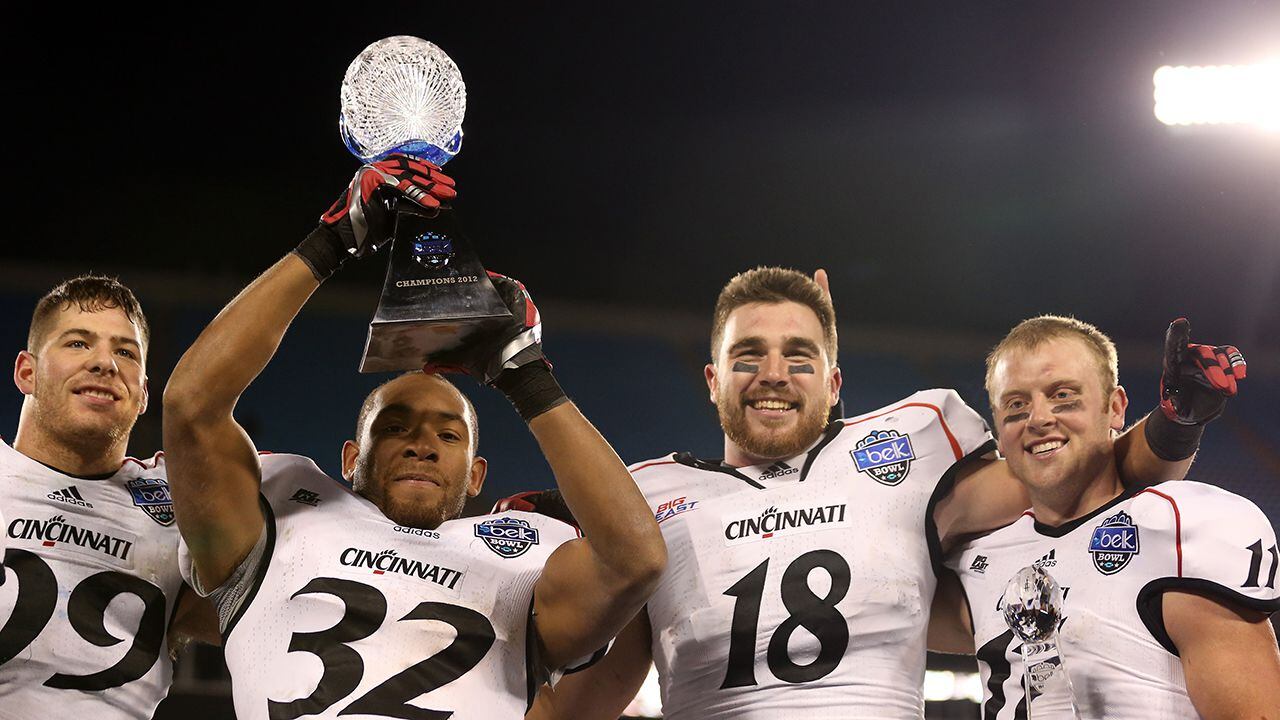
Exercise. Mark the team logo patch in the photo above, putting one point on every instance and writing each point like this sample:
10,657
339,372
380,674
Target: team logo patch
1114,543
885,455
152,495
509,537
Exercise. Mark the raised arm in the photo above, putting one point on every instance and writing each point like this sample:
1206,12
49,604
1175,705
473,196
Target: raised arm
213,466
1195,382
591,587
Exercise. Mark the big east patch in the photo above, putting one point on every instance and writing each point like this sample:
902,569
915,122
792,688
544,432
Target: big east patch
509,537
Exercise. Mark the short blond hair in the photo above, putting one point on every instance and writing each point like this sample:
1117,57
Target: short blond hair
1034,332
775,285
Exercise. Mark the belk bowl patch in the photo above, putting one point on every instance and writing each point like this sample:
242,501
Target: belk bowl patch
885,455
509,537
1114,543
152,495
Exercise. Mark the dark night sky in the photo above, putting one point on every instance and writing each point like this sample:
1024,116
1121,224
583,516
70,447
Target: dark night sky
956,165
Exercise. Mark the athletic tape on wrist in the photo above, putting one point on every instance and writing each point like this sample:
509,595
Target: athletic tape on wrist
1169,440
531,388
323,251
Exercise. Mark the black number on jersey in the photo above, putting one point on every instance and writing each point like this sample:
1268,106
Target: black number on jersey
86,611
1255,565
993,655
818,615
366,608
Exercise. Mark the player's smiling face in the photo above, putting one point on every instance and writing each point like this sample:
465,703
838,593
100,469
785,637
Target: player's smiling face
87,378
414,457
772,381
1054,423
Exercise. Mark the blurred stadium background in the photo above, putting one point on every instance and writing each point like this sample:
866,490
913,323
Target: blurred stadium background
956,168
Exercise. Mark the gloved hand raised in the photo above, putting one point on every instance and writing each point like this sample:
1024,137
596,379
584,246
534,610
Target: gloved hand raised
509,356
1197,379
1194,387
362,219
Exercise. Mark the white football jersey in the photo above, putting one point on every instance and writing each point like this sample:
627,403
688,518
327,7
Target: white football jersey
1113,566
802,588
91,580
353,615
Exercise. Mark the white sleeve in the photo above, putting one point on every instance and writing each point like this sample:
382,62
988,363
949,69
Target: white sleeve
1224,547
230,595
962,423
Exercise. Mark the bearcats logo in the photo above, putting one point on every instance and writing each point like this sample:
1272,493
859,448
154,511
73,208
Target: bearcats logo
152,495
509,537
1114,543
885,455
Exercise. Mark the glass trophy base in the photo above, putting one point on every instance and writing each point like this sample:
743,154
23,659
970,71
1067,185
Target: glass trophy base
436,295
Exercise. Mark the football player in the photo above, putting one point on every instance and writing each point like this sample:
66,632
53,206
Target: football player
380,601
1167,589
90,546
803,564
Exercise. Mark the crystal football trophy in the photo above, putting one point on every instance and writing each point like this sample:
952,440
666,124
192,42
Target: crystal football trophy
1033,610
403,94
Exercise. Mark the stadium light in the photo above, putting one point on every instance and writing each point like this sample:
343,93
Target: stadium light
1219,94
939,685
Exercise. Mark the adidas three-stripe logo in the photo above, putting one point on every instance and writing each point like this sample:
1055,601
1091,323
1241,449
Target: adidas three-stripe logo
70,495
1049,560
778,469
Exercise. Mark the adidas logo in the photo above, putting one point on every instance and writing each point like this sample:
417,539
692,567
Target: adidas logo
1047,561
71,496
777,470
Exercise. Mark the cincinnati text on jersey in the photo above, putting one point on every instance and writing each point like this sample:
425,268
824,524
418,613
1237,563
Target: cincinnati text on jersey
387,561
784,520
57,530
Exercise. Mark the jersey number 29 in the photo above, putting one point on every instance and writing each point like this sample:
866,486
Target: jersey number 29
86,611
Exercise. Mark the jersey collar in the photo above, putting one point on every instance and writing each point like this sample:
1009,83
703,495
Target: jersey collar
1057,531
756,476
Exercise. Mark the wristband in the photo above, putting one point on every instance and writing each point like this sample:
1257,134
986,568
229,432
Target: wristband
323,251
531,388
1169,440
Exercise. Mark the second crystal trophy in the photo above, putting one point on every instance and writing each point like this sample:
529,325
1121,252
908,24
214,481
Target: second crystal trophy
1033,610
403,94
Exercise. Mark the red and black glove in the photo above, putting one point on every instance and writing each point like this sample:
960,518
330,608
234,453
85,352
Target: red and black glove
1197,379
543,502
362,219
509,356
1194,387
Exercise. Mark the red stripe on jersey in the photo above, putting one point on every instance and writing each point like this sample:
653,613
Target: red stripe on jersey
656,462
955,446
1177,524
